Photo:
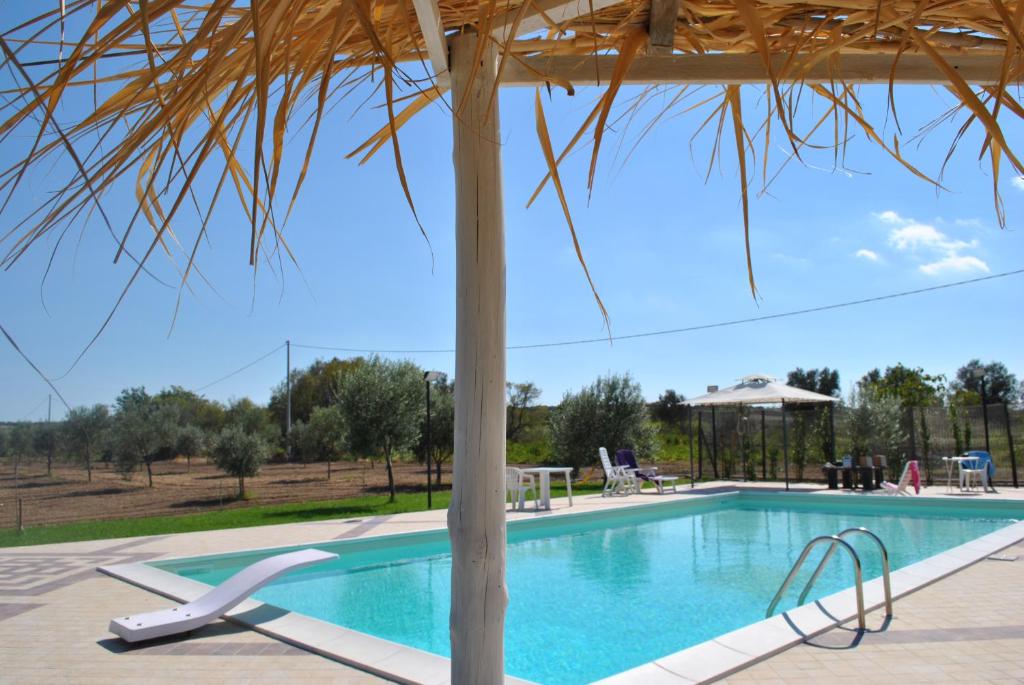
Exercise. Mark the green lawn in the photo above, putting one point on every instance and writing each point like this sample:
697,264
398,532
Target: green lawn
238,518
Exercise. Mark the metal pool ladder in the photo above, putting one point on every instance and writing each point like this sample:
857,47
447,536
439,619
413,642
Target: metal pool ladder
838,541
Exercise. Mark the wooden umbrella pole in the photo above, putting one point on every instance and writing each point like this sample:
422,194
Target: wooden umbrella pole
476,515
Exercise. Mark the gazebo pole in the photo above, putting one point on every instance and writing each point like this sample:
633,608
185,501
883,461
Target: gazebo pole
476,515
764,450
785,445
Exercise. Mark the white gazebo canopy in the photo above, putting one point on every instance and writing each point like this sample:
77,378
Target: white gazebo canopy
759,389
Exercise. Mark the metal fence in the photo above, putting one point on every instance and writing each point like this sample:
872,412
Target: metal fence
756,444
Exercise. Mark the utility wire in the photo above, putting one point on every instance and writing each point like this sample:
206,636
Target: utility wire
690,329
33,410
241,369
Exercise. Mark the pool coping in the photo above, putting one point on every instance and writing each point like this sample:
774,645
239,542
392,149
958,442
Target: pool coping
704,662
726,654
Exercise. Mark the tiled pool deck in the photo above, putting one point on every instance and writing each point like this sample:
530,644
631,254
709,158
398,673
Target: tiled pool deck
54,608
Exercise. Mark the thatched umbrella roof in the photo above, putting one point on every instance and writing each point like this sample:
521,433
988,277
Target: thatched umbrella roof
237,74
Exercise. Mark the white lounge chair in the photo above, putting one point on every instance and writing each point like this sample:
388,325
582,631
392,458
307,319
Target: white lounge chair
517,484
618,479
900,488
217,601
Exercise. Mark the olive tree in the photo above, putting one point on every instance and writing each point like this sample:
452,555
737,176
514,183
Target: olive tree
240,454
46,440
520,397
324,436
190,441
442,425
20,443
84,428
874,424
609,413
143,429
382,401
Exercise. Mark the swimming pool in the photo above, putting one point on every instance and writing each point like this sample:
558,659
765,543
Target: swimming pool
597,593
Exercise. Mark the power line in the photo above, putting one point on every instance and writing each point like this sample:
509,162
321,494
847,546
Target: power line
690,329
33,410
241,369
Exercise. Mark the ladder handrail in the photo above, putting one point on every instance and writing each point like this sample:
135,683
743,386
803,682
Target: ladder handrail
836,541
885,566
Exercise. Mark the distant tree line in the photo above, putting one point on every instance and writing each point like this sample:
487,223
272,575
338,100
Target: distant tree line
374,409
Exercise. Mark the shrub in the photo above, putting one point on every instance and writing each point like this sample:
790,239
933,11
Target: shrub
610,413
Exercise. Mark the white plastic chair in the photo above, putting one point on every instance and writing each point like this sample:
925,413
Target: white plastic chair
618,479
517,484
969,474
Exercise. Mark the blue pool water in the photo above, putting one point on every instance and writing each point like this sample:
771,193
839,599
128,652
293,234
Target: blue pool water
595,594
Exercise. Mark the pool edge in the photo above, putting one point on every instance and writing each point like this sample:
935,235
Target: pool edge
734,651
374,655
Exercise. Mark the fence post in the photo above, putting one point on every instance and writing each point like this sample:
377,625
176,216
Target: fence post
714,442
700,445
764,450
913,440
1009,440
689,430
832,432
785,446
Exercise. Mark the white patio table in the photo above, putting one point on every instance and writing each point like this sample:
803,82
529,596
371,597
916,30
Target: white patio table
545,482
953,463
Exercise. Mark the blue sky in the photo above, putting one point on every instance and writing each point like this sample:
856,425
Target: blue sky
664,247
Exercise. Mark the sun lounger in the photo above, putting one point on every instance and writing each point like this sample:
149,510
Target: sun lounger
217,601
627,460
911,474
618,480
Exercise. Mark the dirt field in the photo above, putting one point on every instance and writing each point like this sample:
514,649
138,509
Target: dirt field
67,496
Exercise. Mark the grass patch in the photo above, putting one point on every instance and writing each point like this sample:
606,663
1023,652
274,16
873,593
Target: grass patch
242,517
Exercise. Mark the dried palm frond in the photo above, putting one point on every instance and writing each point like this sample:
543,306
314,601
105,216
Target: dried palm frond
209,90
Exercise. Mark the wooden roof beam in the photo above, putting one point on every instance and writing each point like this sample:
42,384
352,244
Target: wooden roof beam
661,26
730,69
429,17
558,11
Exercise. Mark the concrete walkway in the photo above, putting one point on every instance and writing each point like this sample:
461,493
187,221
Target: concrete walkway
54,609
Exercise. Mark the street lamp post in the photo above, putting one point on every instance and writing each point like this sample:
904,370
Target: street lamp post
428,378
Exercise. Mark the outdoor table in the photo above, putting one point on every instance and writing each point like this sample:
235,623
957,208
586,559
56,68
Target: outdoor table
950,462
545,482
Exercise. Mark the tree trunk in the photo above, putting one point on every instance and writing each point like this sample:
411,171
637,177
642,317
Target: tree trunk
149,472
241,486
88,464
437,470
391,477
188,461
49,464
328,468
476,515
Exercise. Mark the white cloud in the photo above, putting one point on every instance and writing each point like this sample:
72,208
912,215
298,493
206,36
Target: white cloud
869,255
915,236
953,262
1018,182
890,217
939,252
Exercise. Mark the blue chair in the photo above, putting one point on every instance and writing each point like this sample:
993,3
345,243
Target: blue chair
982,464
